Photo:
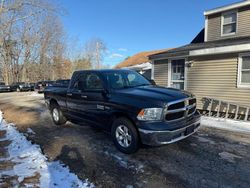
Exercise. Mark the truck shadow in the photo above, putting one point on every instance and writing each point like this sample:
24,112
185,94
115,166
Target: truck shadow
72,158
90,153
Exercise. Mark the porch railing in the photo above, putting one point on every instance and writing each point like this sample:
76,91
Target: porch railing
225,109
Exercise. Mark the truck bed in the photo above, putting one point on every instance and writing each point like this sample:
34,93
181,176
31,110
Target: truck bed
58,93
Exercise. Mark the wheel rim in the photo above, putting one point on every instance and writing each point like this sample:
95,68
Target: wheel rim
123,136
55,114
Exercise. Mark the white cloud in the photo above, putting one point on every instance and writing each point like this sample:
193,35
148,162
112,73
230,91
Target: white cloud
116,55
122,49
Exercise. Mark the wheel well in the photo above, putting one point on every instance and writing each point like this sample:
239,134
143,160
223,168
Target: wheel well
120,115
52,102
124,115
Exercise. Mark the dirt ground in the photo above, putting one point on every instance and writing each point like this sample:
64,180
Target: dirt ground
209,158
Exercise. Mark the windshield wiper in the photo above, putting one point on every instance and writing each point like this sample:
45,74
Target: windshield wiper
142,85
125,87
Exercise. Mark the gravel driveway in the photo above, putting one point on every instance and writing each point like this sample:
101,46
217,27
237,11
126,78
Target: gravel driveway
209,158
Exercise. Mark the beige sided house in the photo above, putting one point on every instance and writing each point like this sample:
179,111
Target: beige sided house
216,63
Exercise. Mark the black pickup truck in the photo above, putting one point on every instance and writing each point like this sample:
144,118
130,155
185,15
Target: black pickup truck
127,105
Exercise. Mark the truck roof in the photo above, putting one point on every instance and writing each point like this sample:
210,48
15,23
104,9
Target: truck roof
104,70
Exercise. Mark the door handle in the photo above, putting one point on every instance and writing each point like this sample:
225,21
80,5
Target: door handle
69,94
84,96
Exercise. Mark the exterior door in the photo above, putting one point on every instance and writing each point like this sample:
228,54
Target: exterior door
177,75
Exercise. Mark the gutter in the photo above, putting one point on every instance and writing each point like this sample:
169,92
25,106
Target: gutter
227,8
220,50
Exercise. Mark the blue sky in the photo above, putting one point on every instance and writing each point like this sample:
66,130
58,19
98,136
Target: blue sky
131,26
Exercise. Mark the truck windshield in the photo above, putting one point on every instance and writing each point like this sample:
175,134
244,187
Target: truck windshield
120,80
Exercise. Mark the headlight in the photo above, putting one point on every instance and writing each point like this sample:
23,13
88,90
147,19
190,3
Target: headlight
21,86
150,114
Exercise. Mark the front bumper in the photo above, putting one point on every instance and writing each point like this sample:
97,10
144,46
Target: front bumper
40,90
161,137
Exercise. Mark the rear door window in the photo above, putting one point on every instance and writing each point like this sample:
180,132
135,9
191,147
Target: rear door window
89,82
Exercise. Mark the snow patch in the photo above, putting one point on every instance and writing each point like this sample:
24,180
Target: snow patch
35,94
226,124
125,162
230,157
205,140
30,131
29,160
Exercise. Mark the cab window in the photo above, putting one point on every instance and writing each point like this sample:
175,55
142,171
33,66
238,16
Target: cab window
89,82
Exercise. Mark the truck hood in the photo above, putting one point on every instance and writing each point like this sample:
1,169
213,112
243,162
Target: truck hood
155,93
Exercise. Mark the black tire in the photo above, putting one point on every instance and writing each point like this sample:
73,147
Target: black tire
61,120
135,140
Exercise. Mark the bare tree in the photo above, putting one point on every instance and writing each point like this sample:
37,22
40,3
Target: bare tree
81,64
31,40
33,43
94,52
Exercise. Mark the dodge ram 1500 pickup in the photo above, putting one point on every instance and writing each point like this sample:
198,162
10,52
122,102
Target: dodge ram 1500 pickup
126,105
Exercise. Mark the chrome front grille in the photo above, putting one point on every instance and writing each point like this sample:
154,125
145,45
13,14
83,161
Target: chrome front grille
180,109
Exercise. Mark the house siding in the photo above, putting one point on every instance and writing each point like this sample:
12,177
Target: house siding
217,78
161,72
243,25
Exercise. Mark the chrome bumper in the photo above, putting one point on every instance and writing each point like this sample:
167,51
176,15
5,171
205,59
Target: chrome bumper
156,138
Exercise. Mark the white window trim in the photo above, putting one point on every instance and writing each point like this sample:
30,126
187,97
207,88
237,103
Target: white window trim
185,74
222,23
169,72
170,68
239,84
153,70
206,28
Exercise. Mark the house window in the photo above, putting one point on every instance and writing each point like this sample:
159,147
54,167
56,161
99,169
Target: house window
229,23
244,71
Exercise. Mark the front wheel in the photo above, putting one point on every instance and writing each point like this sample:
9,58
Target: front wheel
125,136
57,115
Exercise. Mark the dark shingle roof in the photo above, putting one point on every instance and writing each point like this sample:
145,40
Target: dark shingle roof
184,50
200,37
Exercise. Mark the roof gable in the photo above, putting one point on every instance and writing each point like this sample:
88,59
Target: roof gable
138,58
200,37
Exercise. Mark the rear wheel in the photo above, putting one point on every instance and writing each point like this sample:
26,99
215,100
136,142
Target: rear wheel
125,136
57,115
